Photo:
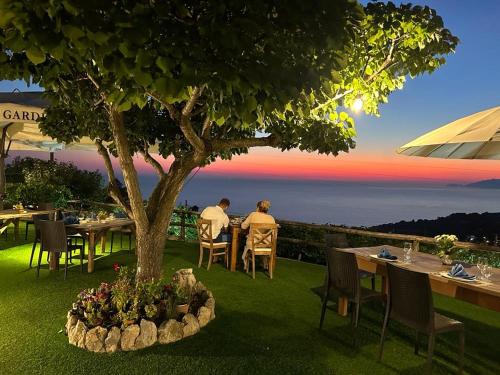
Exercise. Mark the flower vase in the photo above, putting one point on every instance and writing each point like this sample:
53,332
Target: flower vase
446,260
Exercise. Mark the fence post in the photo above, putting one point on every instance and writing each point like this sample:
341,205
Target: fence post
416,245
183,226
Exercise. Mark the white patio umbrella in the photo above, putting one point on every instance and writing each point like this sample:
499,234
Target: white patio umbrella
473,137
19,112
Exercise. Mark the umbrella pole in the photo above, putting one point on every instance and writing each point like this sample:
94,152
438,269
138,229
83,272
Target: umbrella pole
3,155
51,157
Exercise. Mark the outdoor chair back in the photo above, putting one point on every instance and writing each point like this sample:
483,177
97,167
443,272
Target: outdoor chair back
204,227
343,274
53,236
410,298
263,236
215,249
36,221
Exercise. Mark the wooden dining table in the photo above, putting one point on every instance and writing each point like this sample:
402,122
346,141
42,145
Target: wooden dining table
8,217
94,229
481,293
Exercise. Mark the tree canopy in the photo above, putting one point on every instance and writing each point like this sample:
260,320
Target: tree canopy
198,80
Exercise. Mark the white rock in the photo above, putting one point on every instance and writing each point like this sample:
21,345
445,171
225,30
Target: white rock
112,342
204,316
210,303
191,325
94,340
76,335
148,334
72,320
129,335
198,288
170,331
185,279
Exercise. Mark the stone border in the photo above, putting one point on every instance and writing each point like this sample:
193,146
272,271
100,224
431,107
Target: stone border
145,334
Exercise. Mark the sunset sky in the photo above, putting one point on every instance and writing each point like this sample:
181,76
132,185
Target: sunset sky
468,83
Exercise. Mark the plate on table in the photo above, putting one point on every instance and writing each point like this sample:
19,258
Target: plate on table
445,274
384,259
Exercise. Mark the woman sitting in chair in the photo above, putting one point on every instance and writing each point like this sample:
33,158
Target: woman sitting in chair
259,216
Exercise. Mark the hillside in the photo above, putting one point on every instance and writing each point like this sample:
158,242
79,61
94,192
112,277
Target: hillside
484,184
463,225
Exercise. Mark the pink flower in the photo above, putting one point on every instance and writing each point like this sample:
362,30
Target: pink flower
116,267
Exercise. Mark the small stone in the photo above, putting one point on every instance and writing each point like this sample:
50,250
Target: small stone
76,335
148,334
204,316
112,342
94,340
129,337
191,325
170,331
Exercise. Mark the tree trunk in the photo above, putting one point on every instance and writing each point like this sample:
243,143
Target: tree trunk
150,244
151,240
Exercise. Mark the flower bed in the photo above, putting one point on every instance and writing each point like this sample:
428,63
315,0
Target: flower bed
126,315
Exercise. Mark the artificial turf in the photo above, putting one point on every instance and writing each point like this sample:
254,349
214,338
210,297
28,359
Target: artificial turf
262,326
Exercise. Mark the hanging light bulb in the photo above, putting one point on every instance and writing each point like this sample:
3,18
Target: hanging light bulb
357,105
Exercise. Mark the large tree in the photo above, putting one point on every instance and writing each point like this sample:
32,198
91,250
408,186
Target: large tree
198,80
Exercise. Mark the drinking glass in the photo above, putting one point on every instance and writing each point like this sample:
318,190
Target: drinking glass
481,264
407,252
487,272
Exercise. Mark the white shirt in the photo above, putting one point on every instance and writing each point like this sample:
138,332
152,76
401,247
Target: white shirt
218,218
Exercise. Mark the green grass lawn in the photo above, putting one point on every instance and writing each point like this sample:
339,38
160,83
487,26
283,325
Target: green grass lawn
262,326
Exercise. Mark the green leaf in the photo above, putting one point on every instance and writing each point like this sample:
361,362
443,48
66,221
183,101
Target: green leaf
35,55
72,32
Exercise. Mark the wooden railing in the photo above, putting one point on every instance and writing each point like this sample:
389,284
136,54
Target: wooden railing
416,240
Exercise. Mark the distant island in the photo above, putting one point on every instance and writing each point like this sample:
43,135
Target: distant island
484,184
474,227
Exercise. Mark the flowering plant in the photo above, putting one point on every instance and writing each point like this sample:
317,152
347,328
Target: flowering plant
126,301
445,244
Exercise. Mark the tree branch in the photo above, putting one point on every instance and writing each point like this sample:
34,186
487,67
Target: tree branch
205,130
186,126
221,145
152,161
172,111
114,192
128,168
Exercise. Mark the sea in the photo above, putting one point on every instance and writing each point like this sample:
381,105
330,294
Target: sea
336,202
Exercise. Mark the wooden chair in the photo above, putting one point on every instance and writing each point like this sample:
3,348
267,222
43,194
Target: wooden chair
343,277
410,303
54,240
207,242
263,243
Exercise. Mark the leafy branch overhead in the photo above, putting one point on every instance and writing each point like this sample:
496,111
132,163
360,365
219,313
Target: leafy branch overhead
197,80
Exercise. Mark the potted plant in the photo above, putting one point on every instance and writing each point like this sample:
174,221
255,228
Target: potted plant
446,245
181,300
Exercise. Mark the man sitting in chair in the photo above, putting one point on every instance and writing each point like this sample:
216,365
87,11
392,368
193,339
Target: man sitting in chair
259,216
220,221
